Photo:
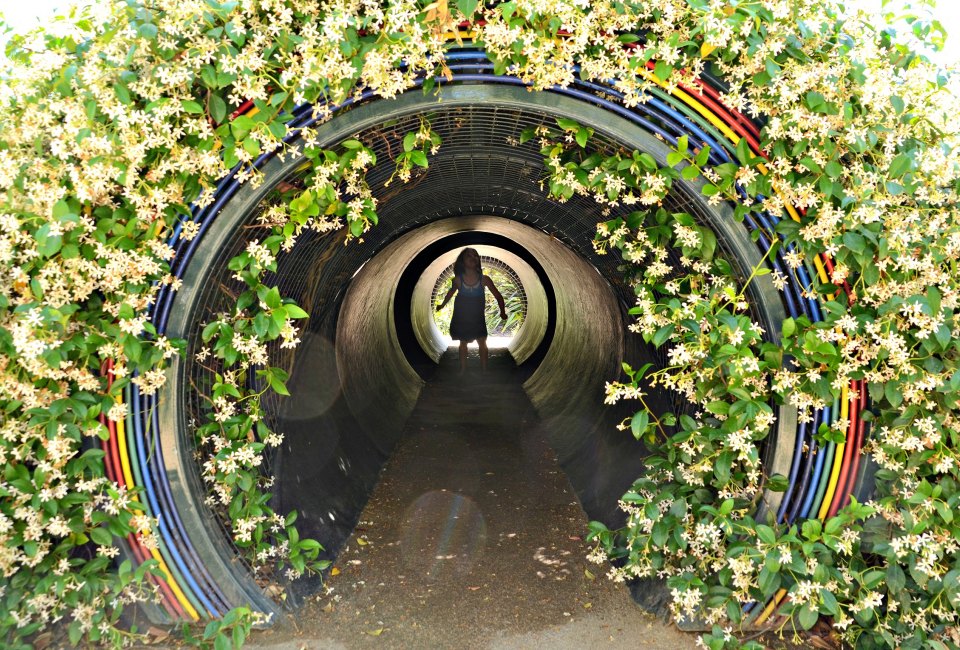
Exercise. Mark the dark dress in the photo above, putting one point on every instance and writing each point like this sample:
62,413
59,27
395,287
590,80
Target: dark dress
469,322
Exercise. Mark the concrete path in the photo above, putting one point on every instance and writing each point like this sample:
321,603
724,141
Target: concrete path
473,538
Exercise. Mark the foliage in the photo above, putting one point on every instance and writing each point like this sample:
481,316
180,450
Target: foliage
227,633
114,123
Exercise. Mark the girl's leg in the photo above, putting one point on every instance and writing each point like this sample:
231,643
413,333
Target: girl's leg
463,357
483,353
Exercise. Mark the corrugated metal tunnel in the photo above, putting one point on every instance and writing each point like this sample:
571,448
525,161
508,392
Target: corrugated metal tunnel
358,371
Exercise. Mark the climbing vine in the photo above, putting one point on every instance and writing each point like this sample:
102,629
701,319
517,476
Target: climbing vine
117,124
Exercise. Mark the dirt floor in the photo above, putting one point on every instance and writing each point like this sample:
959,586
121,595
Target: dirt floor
473,538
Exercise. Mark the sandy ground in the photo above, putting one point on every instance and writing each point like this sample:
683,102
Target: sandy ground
473,538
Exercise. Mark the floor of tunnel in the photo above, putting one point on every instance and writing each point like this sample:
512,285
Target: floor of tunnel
473,537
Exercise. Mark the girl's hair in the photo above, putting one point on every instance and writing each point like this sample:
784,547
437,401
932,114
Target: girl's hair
458,265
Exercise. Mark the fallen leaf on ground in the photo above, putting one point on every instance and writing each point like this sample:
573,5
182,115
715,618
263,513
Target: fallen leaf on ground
589,575
335,571
362,542
376,632
473,588
587,605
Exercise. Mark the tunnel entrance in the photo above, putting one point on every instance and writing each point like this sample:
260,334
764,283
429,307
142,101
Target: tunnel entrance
371,343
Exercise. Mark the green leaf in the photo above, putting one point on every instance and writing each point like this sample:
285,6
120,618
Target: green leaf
239,636
583,135
789,327
718,408
900,165
75,633
662,335
47,245
101,536
419,158
148,31
769,581
639,424
854,241
272,298
218,108
648,161
674,158
812,529
766,534
294,311
830,605
807,617
662,70
191,107
467,7
896,578
252,147
778,483
122,92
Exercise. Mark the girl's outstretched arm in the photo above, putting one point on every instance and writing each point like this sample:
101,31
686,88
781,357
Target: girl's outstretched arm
453,290
488,283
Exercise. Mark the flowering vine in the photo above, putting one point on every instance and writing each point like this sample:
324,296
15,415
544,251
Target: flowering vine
116,122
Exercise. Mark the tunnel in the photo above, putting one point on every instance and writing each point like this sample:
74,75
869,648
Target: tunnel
371,341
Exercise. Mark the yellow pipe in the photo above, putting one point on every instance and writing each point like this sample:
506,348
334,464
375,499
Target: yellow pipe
838,459
771,606
122,447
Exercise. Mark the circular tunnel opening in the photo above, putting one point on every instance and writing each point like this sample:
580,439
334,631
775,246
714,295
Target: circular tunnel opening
422,340
371,340
499,331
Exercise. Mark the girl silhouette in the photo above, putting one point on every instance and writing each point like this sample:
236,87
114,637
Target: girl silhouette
468,322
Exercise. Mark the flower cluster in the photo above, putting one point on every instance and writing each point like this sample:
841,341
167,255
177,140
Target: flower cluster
114,123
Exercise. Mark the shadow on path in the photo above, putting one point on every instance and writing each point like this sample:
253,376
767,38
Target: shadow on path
473,537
